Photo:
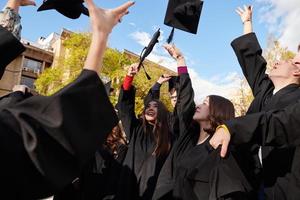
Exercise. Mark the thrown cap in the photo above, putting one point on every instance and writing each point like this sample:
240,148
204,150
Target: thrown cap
69,8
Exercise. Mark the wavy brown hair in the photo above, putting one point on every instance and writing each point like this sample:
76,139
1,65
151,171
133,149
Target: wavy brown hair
220,110
115,138
160,130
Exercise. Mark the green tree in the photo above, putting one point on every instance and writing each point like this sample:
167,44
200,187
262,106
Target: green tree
115,63
68,65
276,52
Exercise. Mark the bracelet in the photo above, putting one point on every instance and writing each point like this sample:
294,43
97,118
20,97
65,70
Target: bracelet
179,57
223,126
248,20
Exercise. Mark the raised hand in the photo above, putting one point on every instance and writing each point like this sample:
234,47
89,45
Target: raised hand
173,51
221,137
103,20
245,14
27,3
163,78
133,69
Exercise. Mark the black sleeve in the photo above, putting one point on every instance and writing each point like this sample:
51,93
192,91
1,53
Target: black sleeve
10,48
279,127
246,128
249,55
126,113
185,106
154,93
282,126
11,99
62,132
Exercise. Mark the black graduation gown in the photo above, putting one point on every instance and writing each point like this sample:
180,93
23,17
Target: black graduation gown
140,168
278,126
99,177
10,48
45,141
280,165
12,98
197,171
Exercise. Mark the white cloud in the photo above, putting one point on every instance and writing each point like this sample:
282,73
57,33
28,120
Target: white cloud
282,18
222,84
225,86
132,24
141,38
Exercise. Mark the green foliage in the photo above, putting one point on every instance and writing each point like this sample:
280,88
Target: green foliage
275,52
242,98
71,62
67,67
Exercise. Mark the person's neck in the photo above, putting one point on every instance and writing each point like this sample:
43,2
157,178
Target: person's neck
281,83
152,123
203,135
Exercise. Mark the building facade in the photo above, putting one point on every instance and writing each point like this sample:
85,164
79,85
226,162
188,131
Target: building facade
37,57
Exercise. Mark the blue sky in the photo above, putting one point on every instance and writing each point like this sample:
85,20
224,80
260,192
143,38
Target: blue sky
208,53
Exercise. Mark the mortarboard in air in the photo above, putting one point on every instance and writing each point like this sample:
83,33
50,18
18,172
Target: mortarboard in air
147,50
183,15
10,48
69,8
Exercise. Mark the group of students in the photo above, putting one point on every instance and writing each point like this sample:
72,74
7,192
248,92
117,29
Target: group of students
72,145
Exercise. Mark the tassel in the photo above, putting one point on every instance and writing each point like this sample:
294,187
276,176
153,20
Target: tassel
170,38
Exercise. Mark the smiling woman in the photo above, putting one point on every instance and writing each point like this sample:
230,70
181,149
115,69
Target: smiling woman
149,142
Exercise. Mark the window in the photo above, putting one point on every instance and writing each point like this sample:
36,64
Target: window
25,80
32,65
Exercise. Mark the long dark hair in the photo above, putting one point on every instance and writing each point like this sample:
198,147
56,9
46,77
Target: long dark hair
220,110
160,130
115,139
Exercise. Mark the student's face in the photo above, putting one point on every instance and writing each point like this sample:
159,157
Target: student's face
286,69
202,111
151,111
173,98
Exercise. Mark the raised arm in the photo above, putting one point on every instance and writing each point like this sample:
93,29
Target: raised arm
249,53
185,106
154,92
10,32
60,133
279,127
246,17
101,30
126,102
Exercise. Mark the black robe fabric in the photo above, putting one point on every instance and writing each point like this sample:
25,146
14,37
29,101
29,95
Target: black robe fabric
280,164
13,98
10,48
99,177
45,141
196,171
140,167
278,126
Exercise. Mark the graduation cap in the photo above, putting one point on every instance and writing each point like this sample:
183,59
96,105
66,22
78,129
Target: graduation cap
69,8
10,48
183,15
147,50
